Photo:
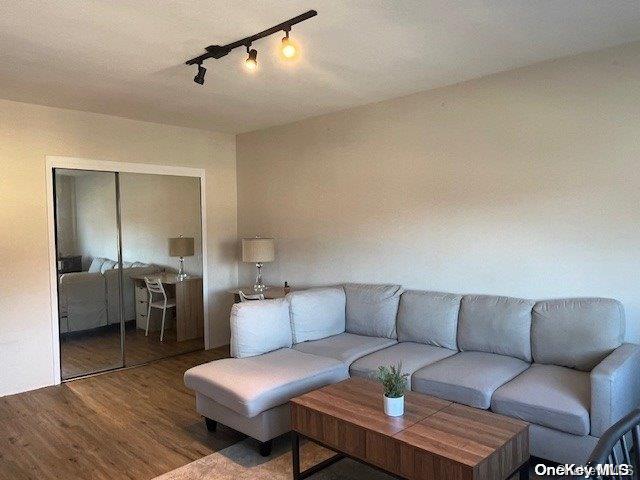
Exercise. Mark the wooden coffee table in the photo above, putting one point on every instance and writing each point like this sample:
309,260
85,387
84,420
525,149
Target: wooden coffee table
434,439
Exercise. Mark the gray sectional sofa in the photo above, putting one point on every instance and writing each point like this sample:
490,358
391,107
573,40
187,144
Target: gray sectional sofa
559,364
91,298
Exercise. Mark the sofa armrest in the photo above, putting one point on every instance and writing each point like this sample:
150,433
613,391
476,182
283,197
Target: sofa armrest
615,387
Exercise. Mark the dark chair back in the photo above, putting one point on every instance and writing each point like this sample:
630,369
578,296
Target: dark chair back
620,444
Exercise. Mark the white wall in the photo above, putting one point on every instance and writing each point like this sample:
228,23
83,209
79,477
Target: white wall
96,210
66,216
523,183
153,208
28,133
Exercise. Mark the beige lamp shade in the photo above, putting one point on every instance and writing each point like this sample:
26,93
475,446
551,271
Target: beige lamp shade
181,247
258,250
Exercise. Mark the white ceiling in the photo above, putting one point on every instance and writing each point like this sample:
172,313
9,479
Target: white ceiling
126,57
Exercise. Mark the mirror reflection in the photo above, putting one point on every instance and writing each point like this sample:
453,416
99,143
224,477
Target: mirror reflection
129,302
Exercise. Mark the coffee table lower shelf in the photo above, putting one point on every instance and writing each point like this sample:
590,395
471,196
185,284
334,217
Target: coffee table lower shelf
523,471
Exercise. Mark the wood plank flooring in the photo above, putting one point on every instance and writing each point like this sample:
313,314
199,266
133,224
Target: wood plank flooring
129,424
92,352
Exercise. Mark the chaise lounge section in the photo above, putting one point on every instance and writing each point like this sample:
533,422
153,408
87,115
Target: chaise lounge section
559,364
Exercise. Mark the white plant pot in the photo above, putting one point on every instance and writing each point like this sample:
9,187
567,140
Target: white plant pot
394,407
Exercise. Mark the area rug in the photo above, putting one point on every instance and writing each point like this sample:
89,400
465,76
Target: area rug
242,461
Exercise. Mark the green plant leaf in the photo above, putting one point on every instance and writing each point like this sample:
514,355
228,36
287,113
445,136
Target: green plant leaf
394,382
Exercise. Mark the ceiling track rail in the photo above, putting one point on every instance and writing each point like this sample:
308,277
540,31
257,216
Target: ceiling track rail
219,51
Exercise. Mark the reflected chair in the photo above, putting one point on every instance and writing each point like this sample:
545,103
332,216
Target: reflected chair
248,298
154,286
620,444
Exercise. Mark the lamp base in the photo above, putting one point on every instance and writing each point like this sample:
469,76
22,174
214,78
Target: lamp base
181,273
259,287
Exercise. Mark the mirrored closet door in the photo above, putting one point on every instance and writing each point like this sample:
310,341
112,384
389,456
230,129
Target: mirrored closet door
161,230
87,252
129,268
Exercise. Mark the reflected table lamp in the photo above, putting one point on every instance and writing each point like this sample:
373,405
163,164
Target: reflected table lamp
258,250
181,247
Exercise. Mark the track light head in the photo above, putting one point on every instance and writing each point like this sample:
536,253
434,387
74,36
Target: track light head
199,78
288,47
252,60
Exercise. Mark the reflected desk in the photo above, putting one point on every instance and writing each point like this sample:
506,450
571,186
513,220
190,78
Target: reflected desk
189,305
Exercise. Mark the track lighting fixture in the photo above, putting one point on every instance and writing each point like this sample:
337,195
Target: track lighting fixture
252,60
288,48
199,78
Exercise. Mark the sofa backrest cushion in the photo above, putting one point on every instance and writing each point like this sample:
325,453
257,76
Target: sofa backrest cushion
317,313
429,317
96,264
259,327
108,265
576,332
372,309
495,324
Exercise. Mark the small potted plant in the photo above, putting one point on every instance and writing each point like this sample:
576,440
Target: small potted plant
394,384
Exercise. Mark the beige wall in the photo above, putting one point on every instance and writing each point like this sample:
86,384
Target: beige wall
96,210
66,216
27,134
523,183
153,209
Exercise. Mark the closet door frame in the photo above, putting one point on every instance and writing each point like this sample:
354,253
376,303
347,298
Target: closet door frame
54,161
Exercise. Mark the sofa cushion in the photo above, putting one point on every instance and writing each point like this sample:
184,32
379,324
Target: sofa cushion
250,386
96,264
494,324
258,327
317,313
345,347
413,356
467,377
429,317
547,395
107,265
576,332
372,309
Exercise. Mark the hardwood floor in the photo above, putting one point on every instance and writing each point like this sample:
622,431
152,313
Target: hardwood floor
129,424
100,350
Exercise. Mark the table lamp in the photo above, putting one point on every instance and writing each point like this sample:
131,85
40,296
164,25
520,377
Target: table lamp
258,250
181,247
